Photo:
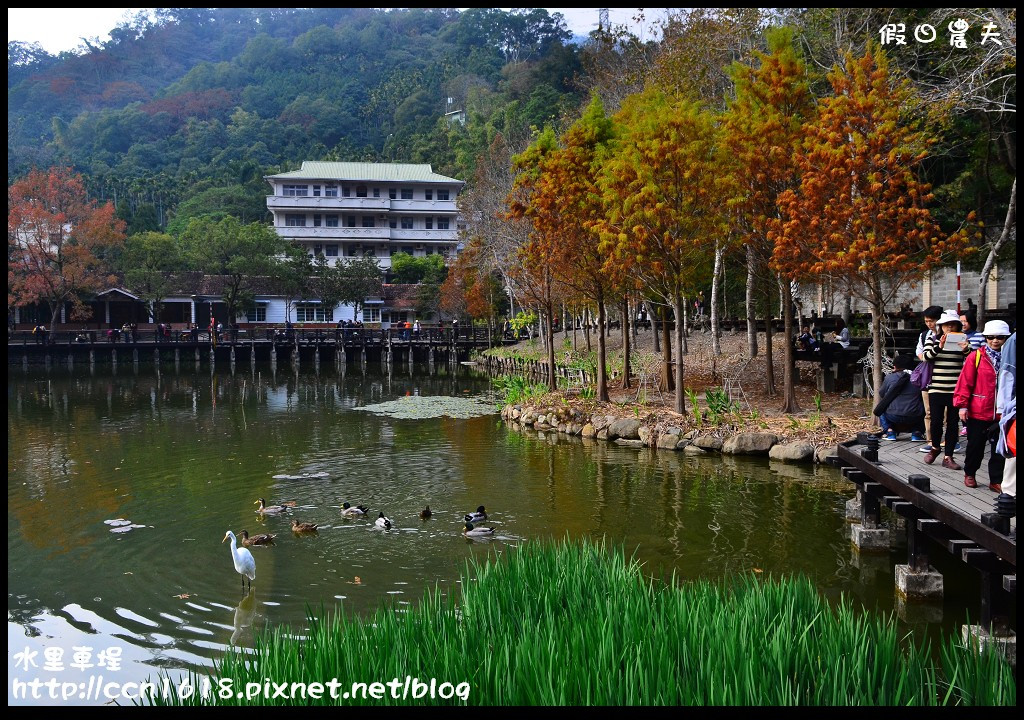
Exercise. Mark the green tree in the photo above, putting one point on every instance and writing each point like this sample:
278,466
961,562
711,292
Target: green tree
240,254
147,261
360,278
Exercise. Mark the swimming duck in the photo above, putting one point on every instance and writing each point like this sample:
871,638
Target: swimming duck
476,516
425,512
303,527
383,522
256,539
348,511
472,531
269,509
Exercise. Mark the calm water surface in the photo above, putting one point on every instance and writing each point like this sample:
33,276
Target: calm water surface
185,455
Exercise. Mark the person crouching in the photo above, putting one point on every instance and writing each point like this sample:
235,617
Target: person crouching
903,408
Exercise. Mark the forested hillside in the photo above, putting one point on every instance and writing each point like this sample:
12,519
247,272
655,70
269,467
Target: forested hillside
181,114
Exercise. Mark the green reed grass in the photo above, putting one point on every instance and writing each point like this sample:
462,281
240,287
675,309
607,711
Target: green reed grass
576,623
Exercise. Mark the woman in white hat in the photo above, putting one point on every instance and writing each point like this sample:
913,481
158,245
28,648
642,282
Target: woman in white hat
947,360
975,396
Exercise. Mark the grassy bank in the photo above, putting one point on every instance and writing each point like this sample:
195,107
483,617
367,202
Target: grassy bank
574,623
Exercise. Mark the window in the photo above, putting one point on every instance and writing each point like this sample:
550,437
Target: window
368,221
353,250
371,315
392,193
428,223
296,190
316,191
332,251
430,250
407,223
442,223
370,252
332,221
331,191
392,223
360,191
428,194
407,193
376,192
442,251
408,249
350,221
318,249
257,314
291,220
442,194
313,313
316,220
346,191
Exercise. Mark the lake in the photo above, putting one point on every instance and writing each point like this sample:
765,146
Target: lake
181,456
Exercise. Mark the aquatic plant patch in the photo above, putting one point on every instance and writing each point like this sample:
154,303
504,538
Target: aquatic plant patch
576,624
419,407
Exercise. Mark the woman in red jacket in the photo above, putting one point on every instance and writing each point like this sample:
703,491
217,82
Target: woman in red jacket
975,395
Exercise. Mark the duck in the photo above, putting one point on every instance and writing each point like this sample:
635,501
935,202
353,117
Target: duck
244,563
383,522
256,539
477,516
425,512
303,527
472,531
349,511
269,509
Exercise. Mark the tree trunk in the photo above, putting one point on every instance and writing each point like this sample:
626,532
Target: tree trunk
549,310
686,328
575,344
847,309
602,362
625,343
751,314
993,253
586,326
789,404
677,305
769,385
716,346
655,330
876,339
666,357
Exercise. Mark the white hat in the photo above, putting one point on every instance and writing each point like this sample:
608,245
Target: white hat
948,316
996,328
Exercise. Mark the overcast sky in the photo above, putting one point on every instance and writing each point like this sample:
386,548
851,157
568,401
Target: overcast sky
60,29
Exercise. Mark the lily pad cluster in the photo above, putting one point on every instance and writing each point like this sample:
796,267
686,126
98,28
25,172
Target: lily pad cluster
419,407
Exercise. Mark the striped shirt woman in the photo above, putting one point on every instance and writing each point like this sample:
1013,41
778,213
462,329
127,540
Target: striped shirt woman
947,362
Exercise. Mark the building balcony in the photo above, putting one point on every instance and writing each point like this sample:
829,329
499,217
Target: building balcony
421,236
328,204
424,206
334,233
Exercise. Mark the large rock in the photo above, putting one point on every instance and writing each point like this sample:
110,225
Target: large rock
708,442
824,453
669,441
792,452
645,433
752,443
629,443
589,431
626,428
692,449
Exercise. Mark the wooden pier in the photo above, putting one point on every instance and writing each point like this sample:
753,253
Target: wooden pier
939,514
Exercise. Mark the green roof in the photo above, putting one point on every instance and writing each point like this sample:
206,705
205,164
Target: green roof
378,172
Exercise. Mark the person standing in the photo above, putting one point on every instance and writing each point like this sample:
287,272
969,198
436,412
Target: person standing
970,322
975,397
947,363
932,313
1006,409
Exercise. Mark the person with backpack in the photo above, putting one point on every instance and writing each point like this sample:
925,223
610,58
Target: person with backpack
975,397
947,362
900,408
1006,408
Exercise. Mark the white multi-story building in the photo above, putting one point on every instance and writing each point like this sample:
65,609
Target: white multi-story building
352,209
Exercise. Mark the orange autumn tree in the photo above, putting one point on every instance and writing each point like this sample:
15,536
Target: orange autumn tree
565,207
58,242
665,195
860,211
763,128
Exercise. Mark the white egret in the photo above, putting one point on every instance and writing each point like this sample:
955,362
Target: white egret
244,563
